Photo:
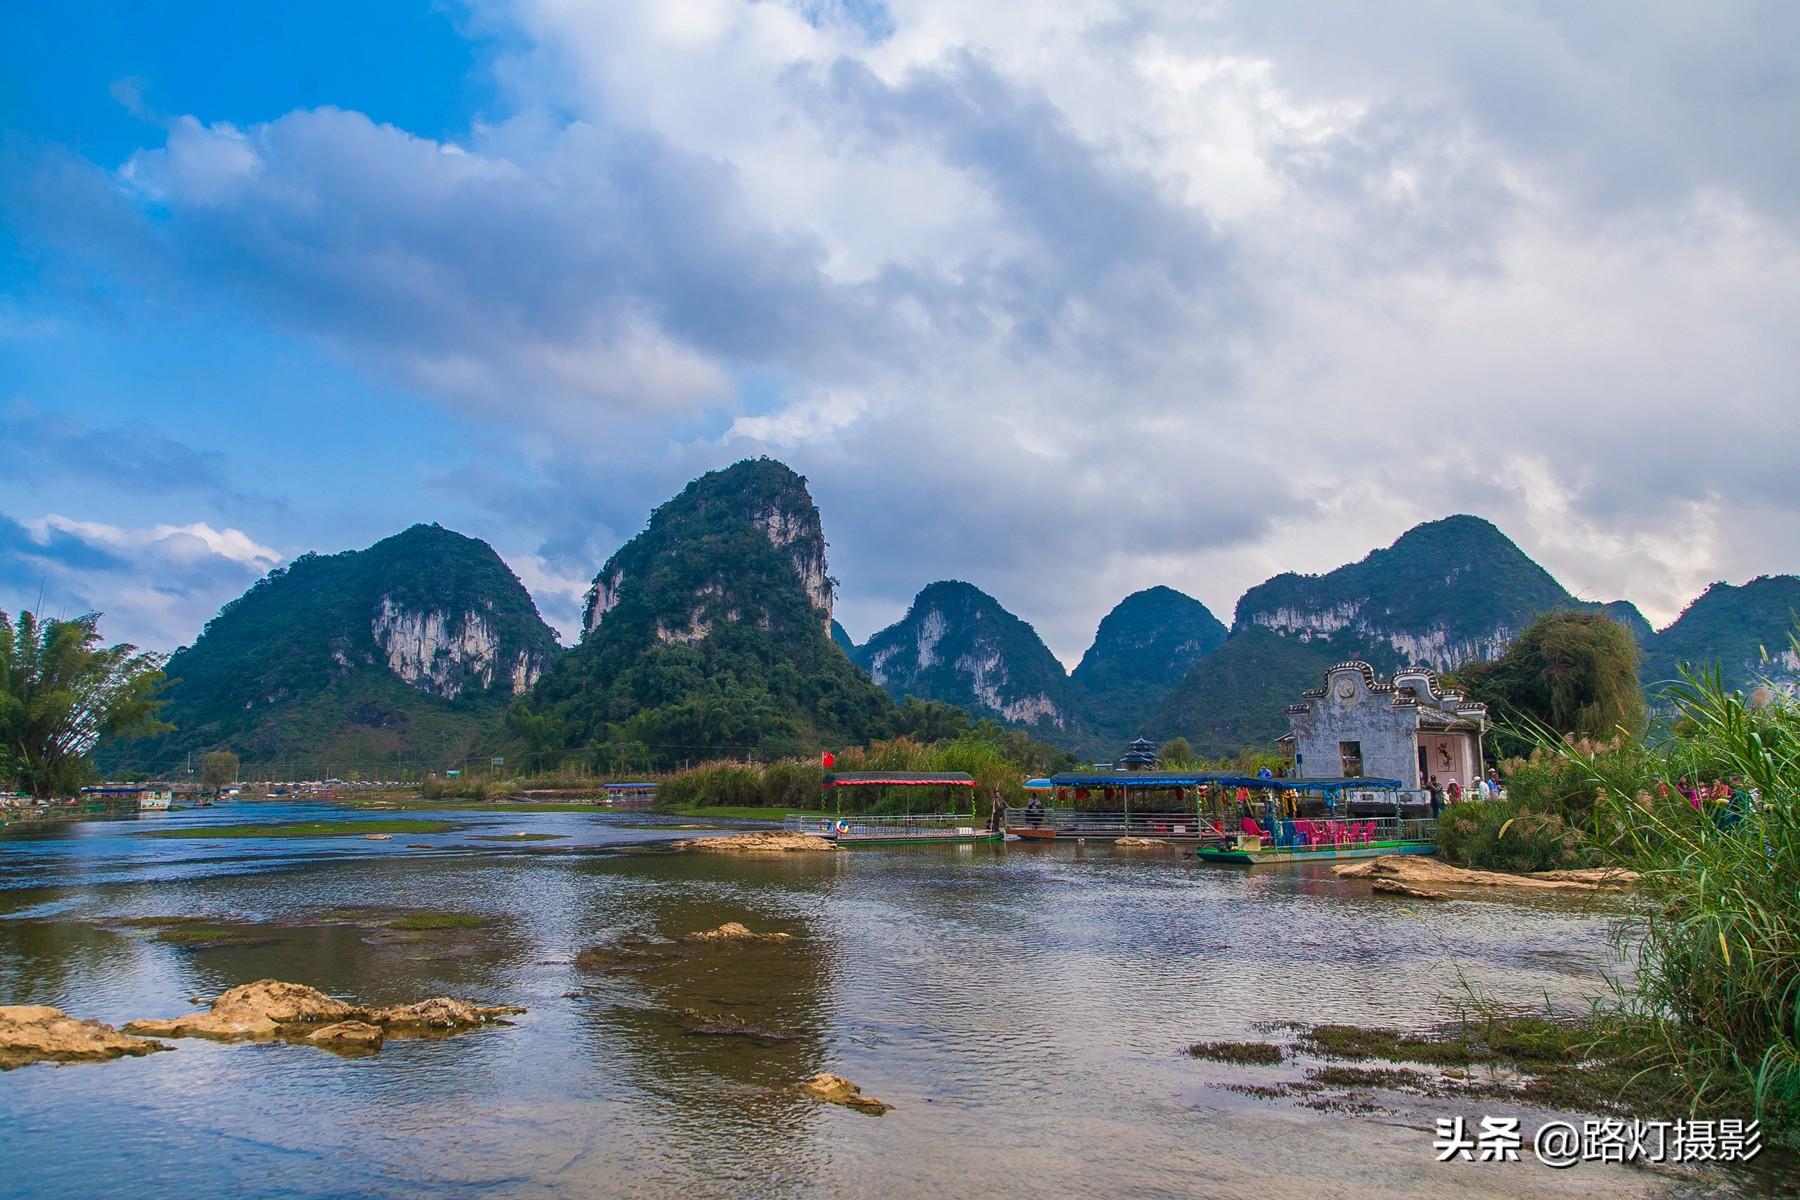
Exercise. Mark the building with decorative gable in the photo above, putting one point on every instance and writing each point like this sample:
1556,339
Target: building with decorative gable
1408,728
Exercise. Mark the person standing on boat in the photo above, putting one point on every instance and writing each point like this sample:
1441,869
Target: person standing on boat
997,815
1437,798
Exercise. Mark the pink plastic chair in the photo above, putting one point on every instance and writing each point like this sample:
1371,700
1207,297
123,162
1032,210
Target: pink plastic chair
1254,830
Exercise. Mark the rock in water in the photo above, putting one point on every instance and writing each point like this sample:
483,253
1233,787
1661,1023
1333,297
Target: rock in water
253,1010
761,841
270,1008
1393,887
734,931
32,1033
1417,869
835,1089
347,1035
1140,841
440,1014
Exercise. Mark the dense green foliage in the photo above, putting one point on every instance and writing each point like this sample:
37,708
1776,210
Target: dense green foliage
218,768
1571,673
290,675
1235,697
714,647
1142,649
1716,998
1000,759
1742,629
950,626
61,691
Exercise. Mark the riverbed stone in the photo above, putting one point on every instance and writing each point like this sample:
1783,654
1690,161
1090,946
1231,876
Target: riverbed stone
1393,887
347,1035
31,1033
735,931
1139,842
835,1089
270,1008
760,841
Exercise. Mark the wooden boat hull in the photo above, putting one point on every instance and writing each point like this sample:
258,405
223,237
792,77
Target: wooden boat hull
1223,856
1032,833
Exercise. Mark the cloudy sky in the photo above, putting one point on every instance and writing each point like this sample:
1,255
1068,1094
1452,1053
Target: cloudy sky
1063,299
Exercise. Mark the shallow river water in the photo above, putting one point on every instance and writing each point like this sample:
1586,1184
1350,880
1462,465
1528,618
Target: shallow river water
1023,1008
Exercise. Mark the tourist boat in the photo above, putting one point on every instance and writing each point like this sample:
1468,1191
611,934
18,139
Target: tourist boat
1109,805
867,829
145,797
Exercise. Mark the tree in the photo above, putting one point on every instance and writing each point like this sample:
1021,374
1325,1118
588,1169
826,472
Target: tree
218,768
1572,673
61,692
1177,753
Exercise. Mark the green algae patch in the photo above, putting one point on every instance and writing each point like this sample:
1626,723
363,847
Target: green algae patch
1249,1054
439,920
309,829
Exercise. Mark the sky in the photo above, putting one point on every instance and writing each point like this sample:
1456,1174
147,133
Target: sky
1065,300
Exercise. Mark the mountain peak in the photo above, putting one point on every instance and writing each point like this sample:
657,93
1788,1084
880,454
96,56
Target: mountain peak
959,645
760,493
1141,650
1445,592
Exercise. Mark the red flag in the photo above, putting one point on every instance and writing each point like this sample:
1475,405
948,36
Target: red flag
827,759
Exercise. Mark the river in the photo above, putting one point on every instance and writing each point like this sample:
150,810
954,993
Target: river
1023,1008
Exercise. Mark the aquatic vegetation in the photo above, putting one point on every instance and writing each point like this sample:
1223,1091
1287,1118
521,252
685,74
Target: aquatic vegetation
309,829
1241,1053
439,920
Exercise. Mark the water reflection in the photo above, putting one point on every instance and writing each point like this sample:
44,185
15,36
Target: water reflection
1023,1008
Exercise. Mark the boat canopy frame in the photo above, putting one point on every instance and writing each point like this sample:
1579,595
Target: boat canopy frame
835,781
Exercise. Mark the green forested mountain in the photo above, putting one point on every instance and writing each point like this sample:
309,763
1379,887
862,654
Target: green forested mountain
957,644
1142,649
1626,613
1446,592
1734,627
402,654
708,634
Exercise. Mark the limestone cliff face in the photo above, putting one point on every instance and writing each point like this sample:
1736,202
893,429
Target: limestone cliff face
958,645
1437,646
443,653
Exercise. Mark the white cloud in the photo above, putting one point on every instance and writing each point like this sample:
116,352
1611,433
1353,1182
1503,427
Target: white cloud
1070,299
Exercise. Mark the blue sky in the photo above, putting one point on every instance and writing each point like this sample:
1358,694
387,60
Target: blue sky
1065,300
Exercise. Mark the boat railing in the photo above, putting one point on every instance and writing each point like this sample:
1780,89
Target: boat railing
850,826
1078,822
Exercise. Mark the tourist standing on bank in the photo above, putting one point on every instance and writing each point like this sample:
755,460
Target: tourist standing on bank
1437,798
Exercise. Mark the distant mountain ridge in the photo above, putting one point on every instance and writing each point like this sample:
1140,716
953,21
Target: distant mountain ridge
1745,629
410,647
959,645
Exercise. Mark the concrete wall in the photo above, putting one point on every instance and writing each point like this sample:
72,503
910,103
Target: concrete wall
1349,712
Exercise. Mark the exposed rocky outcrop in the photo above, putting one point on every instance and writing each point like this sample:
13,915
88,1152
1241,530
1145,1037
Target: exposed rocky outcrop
1139,842
1393,887
835,1089
443,653
735,931
760,841
1418,870
347,1035
271,1009
32,1033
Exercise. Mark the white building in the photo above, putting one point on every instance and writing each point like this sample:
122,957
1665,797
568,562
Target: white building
1407,728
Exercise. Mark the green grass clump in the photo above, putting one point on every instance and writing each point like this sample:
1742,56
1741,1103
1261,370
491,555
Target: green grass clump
1260,1054
439,920
308,829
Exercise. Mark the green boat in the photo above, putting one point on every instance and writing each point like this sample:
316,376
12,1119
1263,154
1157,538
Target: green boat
1323,840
